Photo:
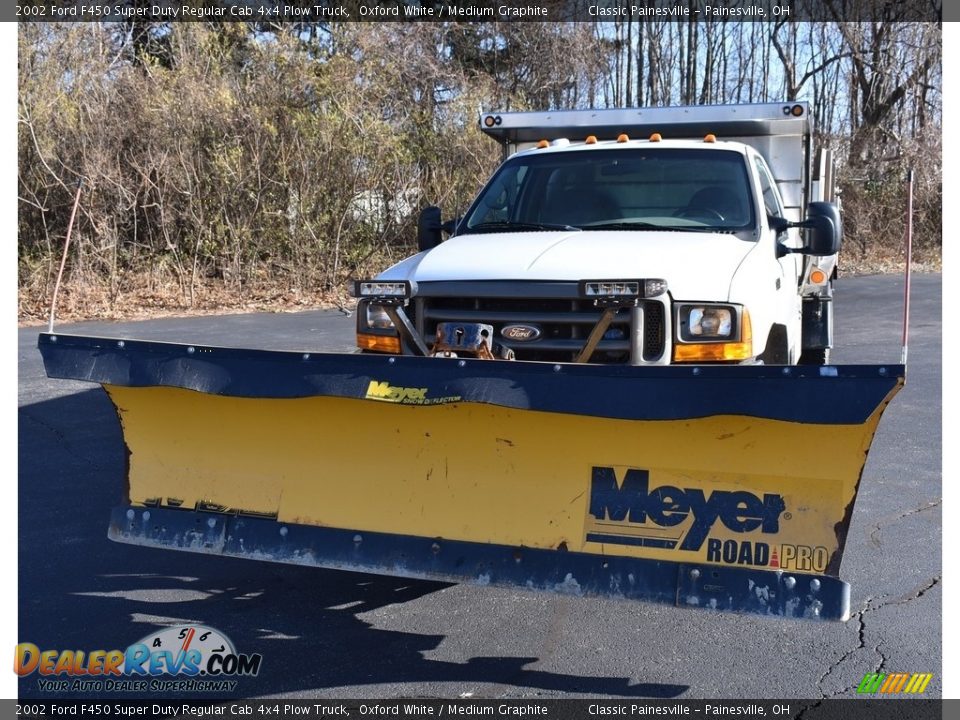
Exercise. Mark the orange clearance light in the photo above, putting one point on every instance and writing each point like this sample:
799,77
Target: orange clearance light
656,137
542,144
623,137
709,138
489,121
796,110
817,277
591,140
379,343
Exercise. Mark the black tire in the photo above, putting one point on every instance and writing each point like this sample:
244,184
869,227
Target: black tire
818,356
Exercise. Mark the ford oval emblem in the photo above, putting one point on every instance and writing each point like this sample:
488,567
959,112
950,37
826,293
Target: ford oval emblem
520,333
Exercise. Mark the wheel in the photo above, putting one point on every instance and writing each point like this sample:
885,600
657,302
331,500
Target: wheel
815,356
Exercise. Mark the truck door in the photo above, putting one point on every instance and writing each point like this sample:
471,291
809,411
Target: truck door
791,265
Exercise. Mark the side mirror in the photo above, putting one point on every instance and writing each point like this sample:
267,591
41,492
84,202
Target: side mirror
824,229
429,227
824,234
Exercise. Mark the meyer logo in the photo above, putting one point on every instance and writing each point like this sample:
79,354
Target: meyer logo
624,511
891,683
385,392
521,333
391,393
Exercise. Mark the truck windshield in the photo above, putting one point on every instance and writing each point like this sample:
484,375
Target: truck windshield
617,189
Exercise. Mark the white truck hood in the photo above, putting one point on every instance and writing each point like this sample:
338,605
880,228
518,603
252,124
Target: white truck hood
696,265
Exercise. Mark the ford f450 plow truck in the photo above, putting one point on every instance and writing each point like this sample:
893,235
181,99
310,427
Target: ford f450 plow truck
642,237
591,387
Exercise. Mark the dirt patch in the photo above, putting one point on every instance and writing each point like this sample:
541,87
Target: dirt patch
80,302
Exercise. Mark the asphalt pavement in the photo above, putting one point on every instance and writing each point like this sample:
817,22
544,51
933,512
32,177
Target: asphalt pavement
331,634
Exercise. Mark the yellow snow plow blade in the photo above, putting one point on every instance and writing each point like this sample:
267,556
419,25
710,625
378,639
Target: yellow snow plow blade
484,474
726,487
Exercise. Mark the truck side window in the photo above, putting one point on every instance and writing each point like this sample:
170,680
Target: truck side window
771,199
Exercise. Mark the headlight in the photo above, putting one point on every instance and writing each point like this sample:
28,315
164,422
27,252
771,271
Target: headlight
703,323
708,332
377,318
375,331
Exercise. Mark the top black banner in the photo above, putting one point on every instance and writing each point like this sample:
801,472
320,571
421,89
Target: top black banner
325,11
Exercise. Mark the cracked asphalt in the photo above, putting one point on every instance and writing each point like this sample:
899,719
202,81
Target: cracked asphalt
336,634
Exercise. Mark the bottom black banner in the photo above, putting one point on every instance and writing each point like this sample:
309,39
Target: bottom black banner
905,709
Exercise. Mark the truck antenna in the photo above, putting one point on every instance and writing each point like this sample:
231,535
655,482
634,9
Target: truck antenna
63,260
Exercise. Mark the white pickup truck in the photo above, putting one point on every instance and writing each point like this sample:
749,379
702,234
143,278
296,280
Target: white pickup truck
646,236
